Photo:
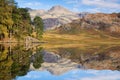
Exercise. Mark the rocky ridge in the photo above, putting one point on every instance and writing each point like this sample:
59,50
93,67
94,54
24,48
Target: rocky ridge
56,16
105,23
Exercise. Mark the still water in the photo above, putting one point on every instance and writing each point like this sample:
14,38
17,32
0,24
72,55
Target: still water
59,62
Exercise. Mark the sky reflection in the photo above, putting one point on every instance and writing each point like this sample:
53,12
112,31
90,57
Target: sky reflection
73,75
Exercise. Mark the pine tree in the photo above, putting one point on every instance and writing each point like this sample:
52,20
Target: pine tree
38,23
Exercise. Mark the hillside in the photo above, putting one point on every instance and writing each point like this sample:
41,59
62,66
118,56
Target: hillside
56,16
96,28
99,23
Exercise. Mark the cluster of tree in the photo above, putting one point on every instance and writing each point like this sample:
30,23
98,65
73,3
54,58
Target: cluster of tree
16,22
38,23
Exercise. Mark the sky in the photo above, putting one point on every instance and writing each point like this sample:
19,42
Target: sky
72,75
93,6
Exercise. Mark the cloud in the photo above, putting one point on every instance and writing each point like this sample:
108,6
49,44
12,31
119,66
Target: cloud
102,3
94,10
33,4
72,1
95,5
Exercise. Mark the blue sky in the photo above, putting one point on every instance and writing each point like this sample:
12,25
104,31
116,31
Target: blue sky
106,6
73,75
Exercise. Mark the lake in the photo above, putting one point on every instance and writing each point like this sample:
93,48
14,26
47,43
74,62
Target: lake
59,62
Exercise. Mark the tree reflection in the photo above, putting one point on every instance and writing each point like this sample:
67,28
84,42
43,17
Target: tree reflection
37,58
15,61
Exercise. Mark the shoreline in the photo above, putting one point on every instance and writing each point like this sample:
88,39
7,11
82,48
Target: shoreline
20,42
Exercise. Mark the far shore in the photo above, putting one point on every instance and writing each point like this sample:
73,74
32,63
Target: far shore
20,42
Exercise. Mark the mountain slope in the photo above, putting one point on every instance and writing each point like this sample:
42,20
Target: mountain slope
59,10
99,23
56,16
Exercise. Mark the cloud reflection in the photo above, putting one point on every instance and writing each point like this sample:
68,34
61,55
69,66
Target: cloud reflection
73,75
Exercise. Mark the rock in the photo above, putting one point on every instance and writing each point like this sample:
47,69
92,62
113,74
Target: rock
56,16
29,39
108,24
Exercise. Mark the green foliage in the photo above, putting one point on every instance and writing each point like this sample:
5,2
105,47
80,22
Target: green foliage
38,59
38,23
6,14
22,23
14,22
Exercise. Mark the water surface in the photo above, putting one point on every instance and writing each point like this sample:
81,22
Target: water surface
59,62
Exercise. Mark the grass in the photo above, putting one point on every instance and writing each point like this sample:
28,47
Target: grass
83,40
80,38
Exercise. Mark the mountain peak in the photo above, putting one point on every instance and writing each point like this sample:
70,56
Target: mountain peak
58,8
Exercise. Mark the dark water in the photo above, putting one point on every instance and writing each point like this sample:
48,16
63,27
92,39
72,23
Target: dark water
20,62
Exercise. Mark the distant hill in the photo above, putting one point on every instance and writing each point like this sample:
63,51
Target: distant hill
94,23
64,21
56,16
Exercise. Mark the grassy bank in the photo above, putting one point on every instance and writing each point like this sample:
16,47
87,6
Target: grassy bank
79,38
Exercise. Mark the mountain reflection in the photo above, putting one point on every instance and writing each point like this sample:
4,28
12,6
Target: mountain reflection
17,61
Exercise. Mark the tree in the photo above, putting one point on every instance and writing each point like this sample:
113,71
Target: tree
22,22
38,23
14,22
6,14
